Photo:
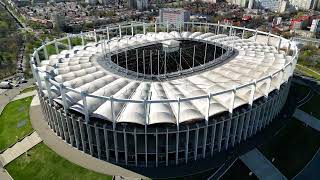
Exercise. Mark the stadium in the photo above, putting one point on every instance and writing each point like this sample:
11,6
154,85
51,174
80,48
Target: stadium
152,94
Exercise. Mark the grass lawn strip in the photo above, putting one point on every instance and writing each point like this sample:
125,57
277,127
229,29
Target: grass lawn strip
28,89
292,148
43,163
15,122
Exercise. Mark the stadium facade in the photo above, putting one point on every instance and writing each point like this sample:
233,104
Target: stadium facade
151,95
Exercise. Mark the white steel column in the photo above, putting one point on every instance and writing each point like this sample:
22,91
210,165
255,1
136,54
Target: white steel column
63,124
95,35
89,138
158,62
85,106
56,46
108,34
45,51
156,147
115,139
144,63
187,145
205,54
82,136
82,38
75,131
69,41
96,131
135,147
215,50
165,62
125,146
241,125
213,136
253,120
193,55
120,32
132,34
221,125
167,148
177,147
279,44
106,140
255,35
137,61
204,142
257,119
196,138
180,67
226,142
234,129
126,55
151,62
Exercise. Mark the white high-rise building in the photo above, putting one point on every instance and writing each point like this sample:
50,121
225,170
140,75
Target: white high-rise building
315,26
174,16
138,4
304,4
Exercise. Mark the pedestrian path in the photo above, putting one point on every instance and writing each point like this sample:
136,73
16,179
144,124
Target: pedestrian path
308,119
19,148
261,166
4,175
24,95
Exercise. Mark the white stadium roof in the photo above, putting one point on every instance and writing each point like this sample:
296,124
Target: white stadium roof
78,69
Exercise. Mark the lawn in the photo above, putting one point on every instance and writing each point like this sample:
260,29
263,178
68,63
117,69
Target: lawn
15,122
292,148
28,89
238,171
43,163
307,72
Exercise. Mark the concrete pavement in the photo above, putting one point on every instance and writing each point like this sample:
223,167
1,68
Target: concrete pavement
261,166
19,148
4,175
8,95
24,95
311,170
70,153
308,119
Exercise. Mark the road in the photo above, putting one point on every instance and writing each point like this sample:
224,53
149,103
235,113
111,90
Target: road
8,95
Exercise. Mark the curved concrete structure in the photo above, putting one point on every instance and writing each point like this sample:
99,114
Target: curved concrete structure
130,101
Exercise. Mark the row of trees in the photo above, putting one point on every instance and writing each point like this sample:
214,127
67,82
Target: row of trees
10,43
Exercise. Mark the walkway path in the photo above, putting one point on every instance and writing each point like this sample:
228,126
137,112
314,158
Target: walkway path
24,95
311,170
19,148
308,119
4,175
9,94
261,166
70,153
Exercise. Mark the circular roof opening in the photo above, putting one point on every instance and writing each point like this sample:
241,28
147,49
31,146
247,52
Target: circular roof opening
166,60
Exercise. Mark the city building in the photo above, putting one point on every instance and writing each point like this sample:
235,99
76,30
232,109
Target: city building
91,2
315,25
300,23
174,16
130,102
304,4
138,4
